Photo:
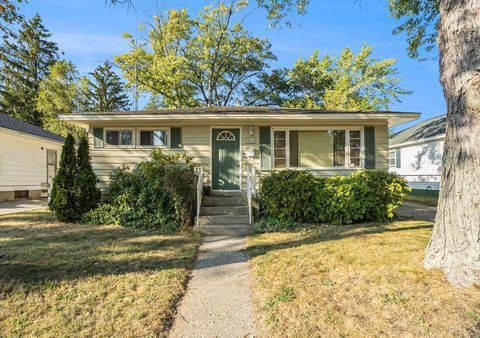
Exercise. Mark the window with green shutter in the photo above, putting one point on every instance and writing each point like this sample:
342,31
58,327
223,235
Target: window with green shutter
369,147
176,137
98,137
265,148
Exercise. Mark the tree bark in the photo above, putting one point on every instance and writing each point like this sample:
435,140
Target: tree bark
455,243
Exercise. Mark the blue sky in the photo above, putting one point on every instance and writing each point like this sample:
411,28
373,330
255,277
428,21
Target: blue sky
89,32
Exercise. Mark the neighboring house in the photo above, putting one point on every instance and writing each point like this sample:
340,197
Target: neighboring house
416,153
29,156
225,140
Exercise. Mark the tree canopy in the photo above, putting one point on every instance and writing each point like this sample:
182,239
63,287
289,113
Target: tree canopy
201,61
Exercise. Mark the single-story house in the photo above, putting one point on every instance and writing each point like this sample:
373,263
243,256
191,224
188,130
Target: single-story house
224,140
416,153
29,156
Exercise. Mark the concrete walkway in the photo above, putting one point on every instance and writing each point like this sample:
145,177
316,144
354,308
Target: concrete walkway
23,205
218,299
417,211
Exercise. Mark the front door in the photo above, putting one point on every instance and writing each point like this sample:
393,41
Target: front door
226,159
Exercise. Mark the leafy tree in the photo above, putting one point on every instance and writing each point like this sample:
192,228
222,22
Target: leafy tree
349,82
62,199
25,61
202,61
9,12
59,95
104,91
87,193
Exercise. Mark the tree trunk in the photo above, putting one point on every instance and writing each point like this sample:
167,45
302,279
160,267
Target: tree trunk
455,243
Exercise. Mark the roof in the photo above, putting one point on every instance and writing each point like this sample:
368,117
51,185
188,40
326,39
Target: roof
12,123
434,127
236,113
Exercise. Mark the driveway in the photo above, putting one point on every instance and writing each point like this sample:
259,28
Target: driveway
23,205
417,211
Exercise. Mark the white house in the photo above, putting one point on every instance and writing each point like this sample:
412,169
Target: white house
416,153
29,156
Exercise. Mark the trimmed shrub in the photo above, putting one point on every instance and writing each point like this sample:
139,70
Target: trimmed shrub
62,196
140,197
87,193
298,196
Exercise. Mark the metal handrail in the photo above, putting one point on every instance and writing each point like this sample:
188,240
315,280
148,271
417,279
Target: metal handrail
251,190
199,194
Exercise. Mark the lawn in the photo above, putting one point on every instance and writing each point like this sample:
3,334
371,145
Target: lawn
363,280
77,280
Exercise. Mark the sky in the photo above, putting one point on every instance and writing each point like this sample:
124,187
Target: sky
89,32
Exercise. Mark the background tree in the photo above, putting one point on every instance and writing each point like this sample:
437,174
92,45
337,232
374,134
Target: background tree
86,191
349,82
59,95
9,12
103,91
203,61
25,61
62,198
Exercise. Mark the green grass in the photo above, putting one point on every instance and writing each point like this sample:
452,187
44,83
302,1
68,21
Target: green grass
60,280
356,281
426,197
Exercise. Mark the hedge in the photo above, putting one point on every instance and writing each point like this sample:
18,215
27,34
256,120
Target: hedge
302,197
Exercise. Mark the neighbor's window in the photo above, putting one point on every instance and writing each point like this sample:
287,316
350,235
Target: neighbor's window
119,137
280,148
392,160
317,148
355,148
153,138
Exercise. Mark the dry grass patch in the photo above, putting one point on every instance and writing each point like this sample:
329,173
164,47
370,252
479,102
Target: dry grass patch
76,280
363,280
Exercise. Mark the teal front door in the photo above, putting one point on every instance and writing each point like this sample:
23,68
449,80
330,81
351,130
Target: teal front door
226,159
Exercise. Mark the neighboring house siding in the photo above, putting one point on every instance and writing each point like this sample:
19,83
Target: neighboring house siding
421,164
23,161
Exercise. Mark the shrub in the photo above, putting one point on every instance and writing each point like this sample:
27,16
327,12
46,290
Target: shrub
87,193
103,214
141,198
62,197
297,196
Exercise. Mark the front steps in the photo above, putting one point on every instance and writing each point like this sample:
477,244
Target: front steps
224,213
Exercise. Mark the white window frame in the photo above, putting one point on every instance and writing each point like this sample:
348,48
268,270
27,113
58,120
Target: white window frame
167,129
347,130
394,152
106,145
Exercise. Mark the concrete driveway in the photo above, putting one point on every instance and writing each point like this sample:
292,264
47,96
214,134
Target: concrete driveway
23,205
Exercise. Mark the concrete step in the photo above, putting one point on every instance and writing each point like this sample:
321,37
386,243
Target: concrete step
216,201
224,210
215,193
223,220
222,230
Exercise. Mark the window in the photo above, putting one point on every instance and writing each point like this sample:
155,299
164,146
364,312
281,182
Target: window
355,148
51,157
280,148
392,160
119,137
317,148
153,138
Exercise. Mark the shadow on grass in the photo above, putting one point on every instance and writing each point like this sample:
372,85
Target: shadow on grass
331,233
35,251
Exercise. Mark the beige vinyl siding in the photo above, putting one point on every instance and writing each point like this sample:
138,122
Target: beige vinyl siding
381,147
23,160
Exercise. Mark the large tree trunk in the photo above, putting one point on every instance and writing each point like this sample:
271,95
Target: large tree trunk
455,243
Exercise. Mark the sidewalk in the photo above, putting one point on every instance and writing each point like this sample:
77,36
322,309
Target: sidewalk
23,205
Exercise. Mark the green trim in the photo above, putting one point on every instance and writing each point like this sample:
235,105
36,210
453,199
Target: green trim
369,134
176,137
98,137
226,159
265,148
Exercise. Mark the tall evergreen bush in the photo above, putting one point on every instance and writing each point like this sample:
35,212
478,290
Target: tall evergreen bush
87,193
62,198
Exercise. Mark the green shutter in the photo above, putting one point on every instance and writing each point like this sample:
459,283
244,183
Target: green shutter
176,137
265,148
369,133
98,137
398,160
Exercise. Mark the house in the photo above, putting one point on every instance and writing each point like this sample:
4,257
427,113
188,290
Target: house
29,156
225,140
416,153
